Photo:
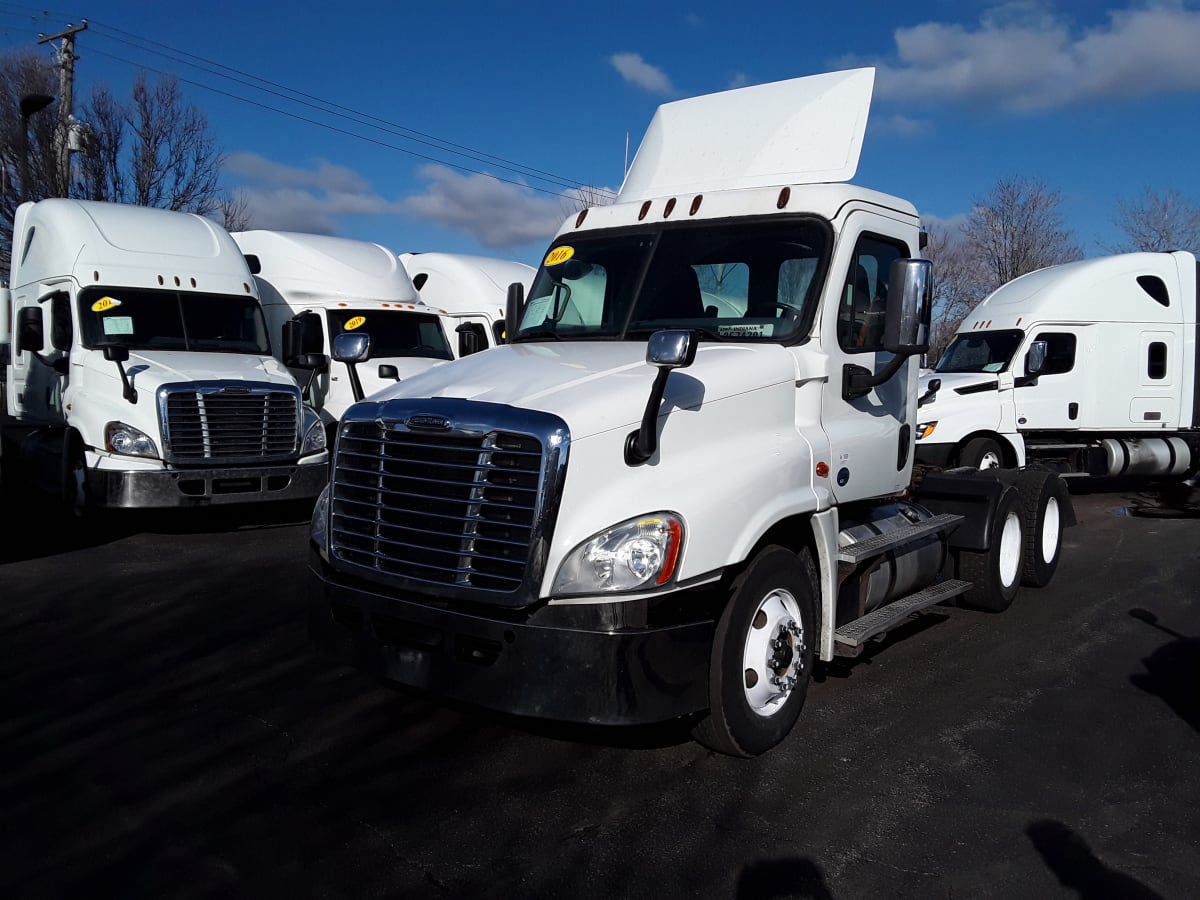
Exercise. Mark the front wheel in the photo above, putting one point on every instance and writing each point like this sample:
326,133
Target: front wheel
762,655
981,453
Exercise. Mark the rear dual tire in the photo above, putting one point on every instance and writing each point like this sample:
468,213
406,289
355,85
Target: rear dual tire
995,573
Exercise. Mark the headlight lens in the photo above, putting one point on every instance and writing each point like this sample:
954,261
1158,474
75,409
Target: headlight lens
128,441
318,531
925,430
314,432
636,554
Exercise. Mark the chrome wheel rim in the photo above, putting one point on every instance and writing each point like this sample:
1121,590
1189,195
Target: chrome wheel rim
773,655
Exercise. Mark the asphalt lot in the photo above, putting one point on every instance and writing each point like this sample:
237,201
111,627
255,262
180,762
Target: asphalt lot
167,731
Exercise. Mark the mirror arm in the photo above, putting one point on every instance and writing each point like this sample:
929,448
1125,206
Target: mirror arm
642,444
857,381
128,391
355,384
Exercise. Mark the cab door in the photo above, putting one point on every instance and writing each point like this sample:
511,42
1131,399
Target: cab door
1059,398
870,437
39,379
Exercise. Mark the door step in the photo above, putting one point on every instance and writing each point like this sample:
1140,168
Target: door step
855,634
873,546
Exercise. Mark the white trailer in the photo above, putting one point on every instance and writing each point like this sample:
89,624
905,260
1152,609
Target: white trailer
1088,367
315,287
687,476
470,287
141,372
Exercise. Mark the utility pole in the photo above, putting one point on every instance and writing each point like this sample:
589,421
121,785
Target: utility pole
66,84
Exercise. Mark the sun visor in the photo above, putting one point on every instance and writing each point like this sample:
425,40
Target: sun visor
802,131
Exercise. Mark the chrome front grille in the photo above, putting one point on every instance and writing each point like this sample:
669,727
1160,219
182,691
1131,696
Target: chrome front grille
461,510
229,422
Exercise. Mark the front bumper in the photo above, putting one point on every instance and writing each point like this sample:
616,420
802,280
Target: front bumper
578,673
173,488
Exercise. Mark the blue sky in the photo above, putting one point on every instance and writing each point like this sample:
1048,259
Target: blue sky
1100,100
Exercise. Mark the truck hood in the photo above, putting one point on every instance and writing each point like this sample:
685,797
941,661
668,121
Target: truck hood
596,387
952,381
148,370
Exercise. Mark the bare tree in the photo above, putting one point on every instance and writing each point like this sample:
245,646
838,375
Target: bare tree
27,156
1157,221
234,210
960,281
1018,228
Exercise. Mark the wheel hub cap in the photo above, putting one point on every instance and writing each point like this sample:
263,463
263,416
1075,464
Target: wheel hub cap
773,661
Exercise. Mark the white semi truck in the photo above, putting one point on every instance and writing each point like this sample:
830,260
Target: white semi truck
315,287
686,477
1088,368
141,372
474,287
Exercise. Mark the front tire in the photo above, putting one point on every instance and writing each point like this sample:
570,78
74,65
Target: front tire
981,453
995,573
762,655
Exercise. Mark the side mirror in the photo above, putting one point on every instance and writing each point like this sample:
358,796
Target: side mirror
116,353
119,354
470,338
514,306
906,325
387,370
292,340
352,348
1035,359
30,336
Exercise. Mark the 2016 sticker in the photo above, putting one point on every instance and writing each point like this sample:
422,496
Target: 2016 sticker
356,322
559,255
105,303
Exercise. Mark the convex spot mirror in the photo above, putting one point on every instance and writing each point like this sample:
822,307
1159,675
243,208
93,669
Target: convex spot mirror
352,348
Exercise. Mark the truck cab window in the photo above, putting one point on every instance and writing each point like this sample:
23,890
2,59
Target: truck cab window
863,306
1060,352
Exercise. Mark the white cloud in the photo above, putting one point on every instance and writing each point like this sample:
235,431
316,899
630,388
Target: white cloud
498,214
1023,58
901,126
739,80
293,198
638,72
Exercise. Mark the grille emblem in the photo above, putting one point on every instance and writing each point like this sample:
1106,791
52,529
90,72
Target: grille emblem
438,423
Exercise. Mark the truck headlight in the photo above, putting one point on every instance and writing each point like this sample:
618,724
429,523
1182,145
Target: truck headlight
636,554
318,531
314,432
925,430
128,441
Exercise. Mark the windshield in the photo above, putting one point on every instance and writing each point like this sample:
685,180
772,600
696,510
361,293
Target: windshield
980,351
393,332
172,320
736,282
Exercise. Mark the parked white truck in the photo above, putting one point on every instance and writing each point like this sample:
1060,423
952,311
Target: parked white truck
315,287
1088,367
141,372
686,478
475,287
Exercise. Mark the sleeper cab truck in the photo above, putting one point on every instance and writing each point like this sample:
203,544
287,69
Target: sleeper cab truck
686,478
1087,368
472,288
141,372
316,287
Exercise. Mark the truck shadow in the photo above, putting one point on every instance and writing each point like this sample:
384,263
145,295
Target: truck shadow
1072,861
777,878
1172,671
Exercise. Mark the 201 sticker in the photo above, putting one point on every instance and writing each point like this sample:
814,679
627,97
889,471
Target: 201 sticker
356,322
105,303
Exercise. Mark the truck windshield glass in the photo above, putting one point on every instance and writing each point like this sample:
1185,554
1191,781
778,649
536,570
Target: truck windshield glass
172,320
393,332
980,351
736,282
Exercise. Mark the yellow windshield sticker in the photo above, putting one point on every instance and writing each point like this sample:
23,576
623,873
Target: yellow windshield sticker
105,303
559,255
356,322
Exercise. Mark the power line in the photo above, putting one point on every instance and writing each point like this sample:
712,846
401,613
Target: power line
318,104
